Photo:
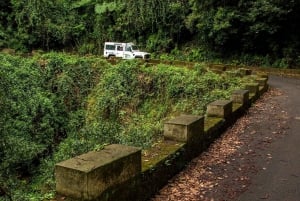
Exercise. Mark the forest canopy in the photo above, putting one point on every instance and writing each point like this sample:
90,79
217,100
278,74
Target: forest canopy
227,28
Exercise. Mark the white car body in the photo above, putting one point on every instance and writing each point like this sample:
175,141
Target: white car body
123,50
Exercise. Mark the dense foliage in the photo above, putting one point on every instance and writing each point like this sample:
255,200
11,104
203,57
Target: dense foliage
262,31
56,106
41,102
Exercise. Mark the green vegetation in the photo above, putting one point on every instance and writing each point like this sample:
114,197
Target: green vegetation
256,32
42,102
56,106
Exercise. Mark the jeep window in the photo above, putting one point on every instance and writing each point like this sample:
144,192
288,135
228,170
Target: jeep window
109,47
128,48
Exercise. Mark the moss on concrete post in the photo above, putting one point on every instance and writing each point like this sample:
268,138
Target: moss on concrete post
253,89
188,129
219,108
261,81
87,176
263,85
184,128
263,75
240,97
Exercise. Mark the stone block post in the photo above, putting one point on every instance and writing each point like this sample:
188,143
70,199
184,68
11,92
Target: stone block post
87,176
188,129
253,88
240,97
262,82
219,108
263,75
185,128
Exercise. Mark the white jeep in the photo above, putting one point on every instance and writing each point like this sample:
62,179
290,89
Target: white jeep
124,51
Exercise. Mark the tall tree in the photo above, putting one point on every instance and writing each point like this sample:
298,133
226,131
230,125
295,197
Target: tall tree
243,25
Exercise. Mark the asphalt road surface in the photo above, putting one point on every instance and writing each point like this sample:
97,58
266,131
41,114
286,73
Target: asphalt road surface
280,180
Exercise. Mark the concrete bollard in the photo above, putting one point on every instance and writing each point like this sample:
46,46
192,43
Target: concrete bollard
219,108
240,97
87,176
253,88
261,81
184,128
263,75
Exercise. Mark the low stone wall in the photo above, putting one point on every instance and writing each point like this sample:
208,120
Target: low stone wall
122,173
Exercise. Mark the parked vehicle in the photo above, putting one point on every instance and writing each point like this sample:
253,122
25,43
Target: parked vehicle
124,51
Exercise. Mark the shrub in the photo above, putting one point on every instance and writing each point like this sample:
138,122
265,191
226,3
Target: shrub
57,106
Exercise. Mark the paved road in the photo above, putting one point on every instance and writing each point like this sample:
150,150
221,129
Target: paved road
281,179
257,159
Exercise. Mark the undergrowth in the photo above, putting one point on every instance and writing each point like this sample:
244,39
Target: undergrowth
57,106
